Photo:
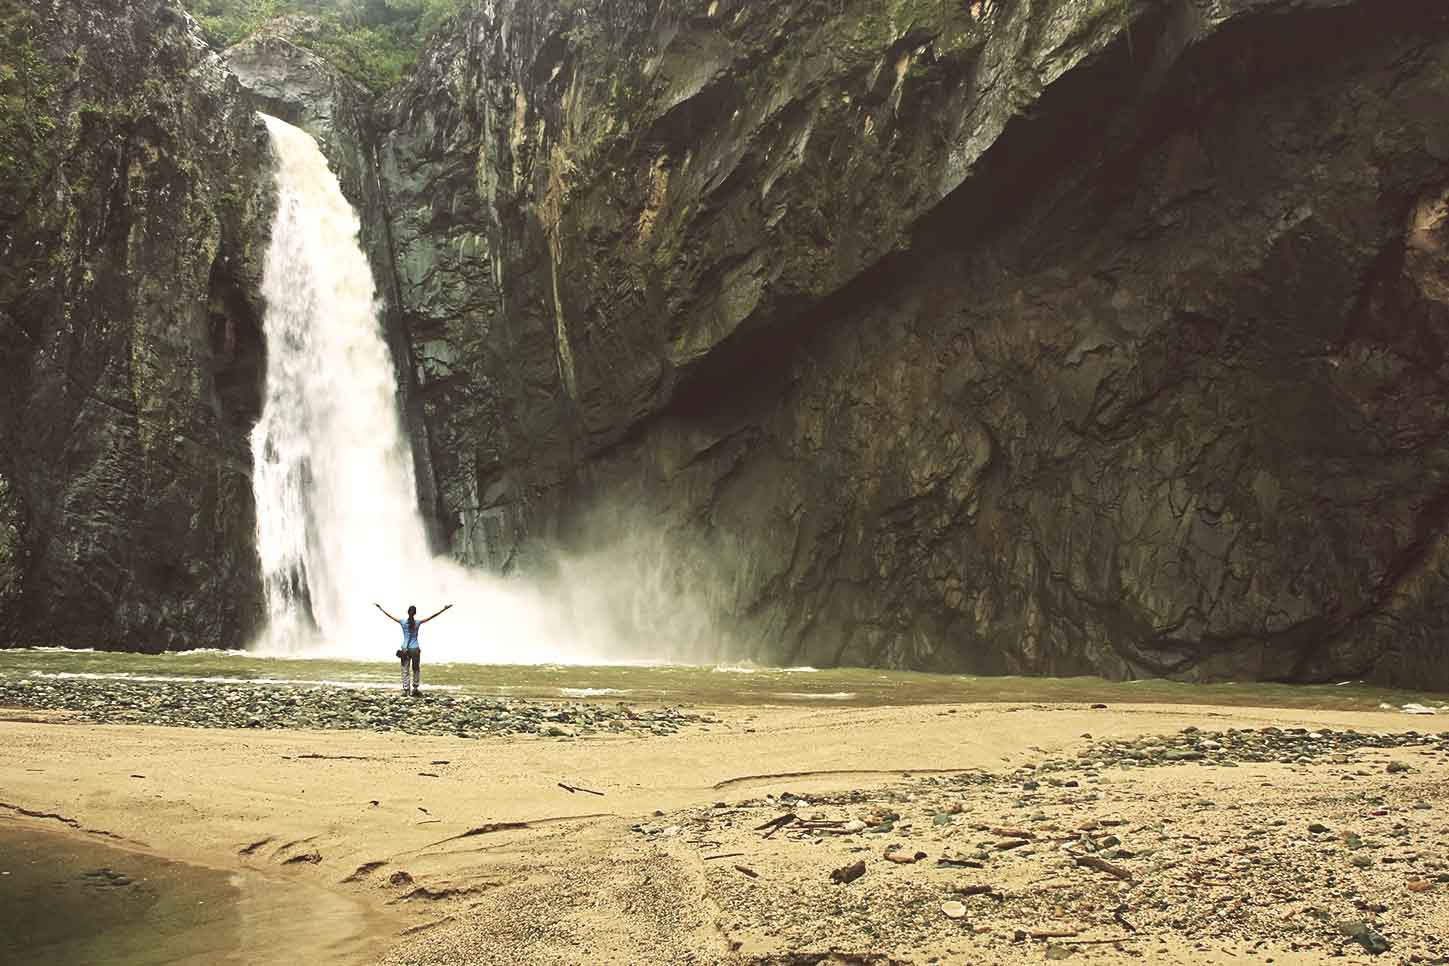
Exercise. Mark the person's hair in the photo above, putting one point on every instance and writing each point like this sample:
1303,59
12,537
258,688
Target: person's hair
412,624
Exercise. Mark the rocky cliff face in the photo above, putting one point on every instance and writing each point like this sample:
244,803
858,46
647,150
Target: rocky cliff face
1033,336
135,216
1046,336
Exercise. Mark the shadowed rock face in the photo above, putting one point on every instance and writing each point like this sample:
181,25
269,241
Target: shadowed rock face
129,336
1004,336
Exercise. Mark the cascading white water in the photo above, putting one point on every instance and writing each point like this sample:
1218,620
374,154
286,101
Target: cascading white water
337,519
338,525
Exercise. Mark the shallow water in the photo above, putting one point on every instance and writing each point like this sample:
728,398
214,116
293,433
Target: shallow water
702,685
66,900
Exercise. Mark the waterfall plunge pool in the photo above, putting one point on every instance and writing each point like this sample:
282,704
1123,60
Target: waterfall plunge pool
716,685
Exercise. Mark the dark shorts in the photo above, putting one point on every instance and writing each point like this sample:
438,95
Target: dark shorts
414,654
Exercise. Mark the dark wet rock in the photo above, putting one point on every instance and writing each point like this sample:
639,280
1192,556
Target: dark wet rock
107,878
129,333
305,858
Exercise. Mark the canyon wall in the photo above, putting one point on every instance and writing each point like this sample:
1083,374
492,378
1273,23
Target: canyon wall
1047,336
136,204
1027,336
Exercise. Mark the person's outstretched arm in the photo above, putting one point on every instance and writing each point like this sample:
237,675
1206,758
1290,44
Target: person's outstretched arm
438,614
386,614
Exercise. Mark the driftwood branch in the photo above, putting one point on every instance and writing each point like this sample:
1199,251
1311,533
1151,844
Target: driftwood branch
1102,865
775,824
576,788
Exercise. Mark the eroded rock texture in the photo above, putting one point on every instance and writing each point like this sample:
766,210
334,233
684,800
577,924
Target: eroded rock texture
129,335
1038,336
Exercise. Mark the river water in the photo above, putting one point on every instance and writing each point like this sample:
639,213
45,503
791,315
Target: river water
69,900
739,684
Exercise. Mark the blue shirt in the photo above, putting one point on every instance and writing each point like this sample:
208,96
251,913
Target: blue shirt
410,641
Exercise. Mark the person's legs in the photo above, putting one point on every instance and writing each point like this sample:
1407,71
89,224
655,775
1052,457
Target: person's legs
406,686
417,656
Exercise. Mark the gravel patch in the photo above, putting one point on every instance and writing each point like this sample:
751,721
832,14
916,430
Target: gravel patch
1323,844
206,705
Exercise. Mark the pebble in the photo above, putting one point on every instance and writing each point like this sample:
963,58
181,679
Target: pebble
1366,936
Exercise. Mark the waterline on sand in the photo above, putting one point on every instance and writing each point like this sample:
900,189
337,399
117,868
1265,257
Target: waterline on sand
68,899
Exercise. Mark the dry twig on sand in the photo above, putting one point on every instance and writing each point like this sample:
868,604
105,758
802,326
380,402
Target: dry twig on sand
775,824
576,788
1102,865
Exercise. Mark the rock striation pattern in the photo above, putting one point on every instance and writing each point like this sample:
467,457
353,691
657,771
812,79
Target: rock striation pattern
1048,336
129,340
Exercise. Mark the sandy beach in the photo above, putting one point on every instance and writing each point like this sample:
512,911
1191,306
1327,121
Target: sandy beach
456,850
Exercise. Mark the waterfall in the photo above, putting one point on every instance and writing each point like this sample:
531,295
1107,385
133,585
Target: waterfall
337,518
338,524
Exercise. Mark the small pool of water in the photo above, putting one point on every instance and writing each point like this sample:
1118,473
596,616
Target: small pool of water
71,901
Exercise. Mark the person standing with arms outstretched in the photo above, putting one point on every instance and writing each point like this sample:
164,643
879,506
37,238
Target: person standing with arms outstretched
410,653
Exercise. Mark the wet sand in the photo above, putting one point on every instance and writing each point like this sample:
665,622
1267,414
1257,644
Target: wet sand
470,851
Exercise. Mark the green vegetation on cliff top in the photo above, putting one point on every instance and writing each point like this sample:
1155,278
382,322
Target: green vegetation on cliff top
373,41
